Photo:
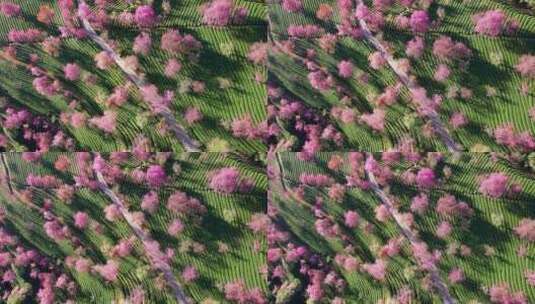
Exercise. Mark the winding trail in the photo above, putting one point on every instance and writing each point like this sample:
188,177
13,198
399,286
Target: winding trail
146,240
437,281
437,124
190,145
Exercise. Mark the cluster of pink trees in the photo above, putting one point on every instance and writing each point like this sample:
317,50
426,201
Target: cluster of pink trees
97,174
426,174
179,48
355,20
20,265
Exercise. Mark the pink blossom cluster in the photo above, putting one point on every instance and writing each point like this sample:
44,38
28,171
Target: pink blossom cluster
180,202
420,21
106,122
506,135
377,270
72,71
16,118
55,230
103,60
292,6
258,52
444,229
46,86
108,271
145,16
228,180
172,67
25,36
375,120
447,205
155,176
447,49
42,181
193,115
526,66
259,223
304,31
190,274
426,178
46,14
526,229
10,9
81,219
501,294
493,23
345,69
158,102
389,96
123,248
244,127
419,203
425,258
327,228
172,41
324,12
458,120
316,180
415,47
456,275
237,291
175,227
118,97
377,60
150,202
142,44
494,185
321,80
222,12
442,73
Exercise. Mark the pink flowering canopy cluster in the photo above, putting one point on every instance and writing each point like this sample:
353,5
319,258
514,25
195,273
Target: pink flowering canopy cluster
72,218
227,76
99,88
415,84
419,225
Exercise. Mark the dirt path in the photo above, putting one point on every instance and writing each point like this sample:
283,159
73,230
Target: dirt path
146,240
190,145
6,174
437,281
433,117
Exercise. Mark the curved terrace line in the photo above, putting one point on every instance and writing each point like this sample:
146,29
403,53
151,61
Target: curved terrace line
437,124
145,238
411,237
190,145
